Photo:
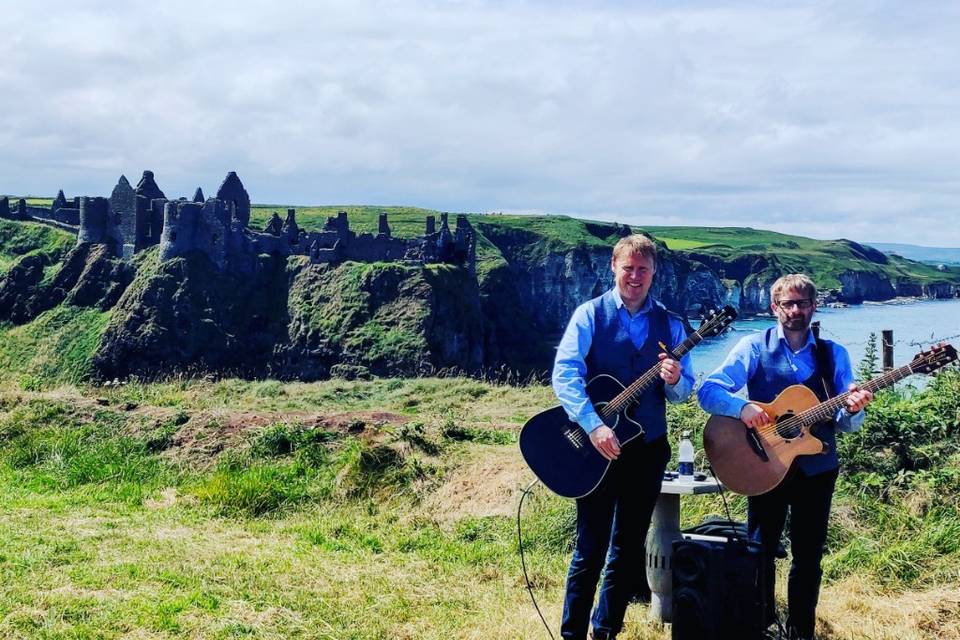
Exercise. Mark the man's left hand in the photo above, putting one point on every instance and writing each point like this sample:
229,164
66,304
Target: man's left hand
858,399
669,369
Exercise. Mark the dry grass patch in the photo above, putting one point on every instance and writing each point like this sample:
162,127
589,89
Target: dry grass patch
487,484
856,609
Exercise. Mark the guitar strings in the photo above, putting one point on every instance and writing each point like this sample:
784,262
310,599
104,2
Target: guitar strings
826,409
628,395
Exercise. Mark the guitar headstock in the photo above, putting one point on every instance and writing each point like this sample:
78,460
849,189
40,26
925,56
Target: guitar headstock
716,321
937,357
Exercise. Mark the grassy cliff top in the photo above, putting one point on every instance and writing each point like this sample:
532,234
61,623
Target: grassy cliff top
825,260
20,239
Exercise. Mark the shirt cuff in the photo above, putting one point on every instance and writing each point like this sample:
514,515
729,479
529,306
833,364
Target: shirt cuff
849,422
680,391
590,422
736,407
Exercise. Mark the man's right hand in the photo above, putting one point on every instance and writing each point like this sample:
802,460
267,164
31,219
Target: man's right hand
754,416
605,441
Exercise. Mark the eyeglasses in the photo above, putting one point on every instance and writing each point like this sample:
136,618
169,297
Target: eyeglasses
803,303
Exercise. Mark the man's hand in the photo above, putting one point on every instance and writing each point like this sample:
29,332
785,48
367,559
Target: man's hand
858,399
669,369
754,416
605,441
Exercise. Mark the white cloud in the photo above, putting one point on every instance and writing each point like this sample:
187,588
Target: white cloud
829,119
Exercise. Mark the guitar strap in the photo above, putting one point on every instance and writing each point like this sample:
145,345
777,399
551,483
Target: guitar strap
825,367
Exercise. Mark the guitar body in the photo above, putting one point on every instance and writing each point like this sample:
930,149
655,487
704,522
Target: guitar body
559,451
754,461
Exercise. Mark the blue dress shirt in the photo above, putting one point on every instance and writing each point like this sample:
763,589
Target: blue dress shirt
570,368
717,394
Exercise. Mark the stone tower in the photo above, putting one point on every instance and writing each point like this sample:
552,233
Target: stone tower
147,187
94,213
236,198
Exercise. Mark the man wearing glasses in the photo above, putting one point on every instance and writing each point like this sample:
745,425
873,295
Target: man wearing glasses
767,363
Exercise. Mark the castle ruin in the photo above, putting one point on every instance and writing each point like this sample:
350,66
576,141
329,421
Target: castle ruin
134,219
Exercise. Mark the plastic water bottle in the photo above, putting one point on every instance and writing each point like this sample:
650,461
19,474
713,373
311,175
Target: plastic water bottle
686,458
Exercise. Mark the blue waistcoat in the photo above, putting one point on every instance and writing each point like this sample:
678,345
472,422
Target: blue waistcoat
774,374
612,352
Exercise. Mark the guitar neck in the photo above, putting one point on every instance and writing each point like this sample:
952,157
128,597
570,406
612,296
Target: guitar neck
632,393
826,410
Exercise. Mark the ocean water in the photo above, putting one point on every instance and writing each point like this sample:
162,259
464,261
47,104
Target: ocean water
915,325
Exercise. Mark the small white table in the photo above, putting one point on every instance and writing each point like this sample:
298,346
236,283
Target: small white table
664,529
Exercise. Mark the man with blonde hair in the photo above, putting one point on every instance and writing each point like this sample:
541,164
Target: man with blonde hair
618,333
768,362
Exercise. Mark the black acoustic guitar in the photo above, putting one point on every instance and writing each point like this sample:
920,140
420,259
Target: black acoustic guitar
560,452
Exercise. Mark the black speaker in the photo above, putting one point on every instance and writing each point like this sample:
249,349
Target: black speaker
717,589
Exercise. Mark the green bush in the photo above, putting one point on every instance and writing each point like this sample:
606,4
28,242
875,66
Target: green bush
908,440
256,490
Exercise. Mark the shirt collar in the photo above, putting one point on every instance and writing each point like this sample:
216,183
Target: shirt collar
645,307
810,340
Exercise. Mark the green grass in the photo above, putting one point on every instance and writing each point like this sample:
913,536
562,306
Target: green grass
108,527
405,222
54,348
680,244
18,239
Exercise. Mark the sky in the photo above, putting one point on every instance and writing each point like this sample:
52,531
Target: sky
822,119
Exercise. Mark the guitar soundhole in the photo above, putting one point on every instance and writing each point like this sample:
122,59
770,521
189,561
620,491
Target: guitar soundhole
610,421
788,431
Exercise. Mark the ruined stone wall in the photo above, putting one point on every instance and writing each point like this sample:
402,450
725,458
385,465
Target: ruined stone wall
269,243
370,248
132,220
195,226
67,216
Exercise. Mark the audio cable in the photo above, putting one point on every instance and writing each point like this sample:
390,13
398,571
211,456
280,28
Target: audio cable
523,562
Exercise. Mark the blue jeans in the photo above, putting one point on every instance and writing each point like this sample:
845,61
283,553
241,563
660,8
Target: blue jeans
612,525
808,499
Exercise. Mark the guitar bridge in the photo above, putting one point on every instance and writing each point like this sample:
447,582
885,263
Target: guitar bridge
574,437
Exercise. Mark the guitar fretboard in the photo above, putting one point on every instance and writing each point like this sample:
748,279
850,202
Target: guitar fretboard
828,409
634,391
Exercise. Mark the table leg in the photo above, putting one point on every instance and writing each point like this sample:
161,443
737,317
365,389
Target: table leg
664,529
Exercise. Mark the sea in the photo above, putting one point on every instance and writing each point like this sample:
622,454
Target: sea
916,325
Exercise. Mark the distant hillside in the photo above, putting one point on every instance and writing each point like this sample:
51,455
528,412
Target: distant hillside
824,259
95,314
929,255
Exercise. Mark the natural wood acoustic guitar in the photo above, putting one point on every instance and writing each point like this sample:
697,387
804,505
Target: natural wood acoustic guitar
754,461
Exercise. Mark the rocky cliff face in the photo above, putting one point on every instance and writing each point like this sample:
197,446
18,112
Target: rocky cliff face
293,319
936,291
385,319
87,277
864,285
528,299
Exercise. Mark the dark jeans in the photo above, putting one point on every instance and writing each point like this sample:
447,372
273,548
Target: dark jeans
808,498
614,518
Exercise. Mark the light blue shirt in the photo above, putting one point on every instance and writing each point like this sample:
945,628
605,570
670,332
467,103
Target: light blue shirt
717,394
570,366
